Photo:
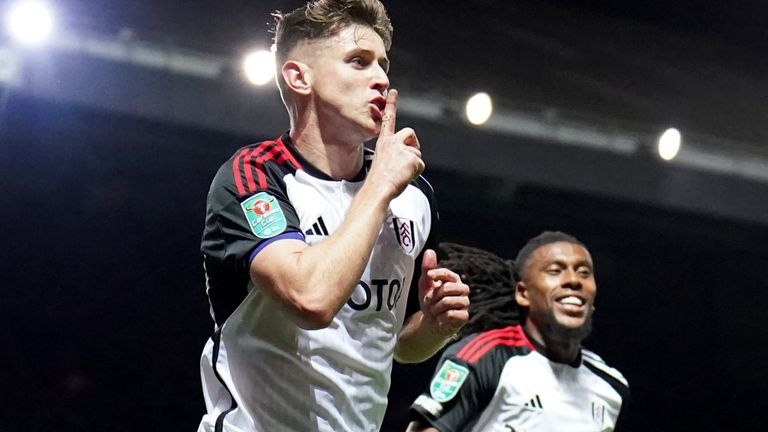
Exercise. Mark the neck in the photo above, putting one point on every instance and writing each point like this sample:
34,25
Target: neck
340,160
328,146
560,350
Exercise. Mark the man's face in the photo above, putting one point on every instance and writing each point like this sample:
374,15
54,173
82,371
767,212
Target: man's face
558,289
348,74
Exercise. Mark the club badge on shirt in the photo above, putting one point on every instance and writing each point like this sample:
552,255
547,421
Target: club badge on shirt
404,232
264,215
447,382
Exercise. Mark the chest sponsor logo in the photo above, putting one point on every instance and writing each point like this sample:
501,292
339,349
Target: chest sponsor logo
405,234
380,293
447,382
265,217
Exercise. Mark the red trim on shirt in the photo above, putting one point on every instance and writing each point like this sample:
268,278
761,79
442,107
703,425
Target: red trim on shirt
484,342
236,172
253,161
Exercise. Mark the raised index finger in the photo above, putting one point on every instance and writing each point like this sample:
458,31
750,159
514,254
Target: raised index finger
390,112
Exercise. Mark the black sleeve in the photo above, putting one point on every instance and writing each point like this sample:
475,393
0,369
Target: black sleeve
622,419
238,223
232,235
452,405
432,241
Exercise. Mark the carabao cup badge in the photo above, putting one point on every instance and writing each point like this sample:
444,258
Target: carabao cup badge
447,382
406,237
265,217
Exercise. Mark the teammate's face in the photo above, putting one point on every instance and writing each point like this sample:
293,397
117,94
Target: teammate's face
558,289
349,81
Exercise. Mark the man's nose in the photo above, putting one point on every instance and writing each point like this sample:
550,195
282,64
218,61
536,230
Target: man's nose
380,80
572,279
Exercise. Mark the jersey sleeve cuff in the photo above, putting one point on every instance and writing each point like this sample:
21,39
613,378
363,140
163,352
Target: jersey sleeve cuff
293,235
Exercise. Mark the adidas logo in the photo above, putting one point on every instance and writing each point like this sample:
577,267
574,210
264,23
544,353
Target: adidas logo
535,402
318,228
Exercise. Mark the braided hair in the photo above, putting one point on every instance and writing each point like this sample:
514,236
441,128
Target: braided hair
491,283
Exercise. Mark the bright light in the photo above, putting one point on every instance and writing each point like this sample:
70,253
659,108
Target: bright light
259,67
479,108
669,144
30,22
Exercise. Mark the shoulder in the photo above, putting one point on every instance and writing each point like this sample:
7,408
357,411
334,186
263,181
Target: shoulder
505,342
254,167
597,365
424,186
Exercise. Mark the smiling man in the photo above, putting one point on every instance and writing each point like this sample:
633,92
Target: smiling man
505,376
312,242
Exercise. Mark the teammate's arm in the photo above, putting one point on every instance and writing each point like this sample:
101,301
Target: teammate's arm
444,301
314,282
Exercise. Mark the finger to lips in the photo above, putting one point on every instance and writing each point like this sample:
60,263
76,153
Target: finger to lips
390,112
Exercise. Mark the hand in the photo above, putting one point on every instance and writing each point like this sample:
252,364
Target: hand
397,160
443,296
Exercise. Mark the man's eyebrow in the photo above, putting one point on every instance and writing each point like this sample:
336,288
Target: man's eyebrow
583,263
563,262
383,60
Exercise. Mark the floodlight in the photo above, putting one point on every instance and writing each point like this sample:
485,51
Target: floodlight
30,22
259,67
669,144
479,108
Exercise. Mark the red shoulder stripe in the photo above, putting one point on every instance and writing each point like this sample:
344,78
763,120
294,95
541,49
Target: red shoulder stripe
248,167
481,344
515,342
253,161
287,154
236,172
483,338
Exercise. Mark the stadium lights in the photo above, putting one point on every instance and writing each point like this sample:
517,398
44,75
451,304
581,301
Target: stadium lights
259,67
669,144
30,22
479,108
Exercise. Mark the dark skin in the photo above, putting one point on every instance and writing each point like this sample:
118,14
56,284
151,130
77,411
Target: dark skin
558,291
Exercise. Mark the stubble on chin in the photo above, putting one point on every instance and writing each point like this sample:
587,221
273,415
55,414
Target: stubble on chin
561,332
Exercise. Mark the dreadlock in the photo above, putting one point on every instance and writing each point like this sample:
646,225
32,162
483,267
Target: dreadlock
491,283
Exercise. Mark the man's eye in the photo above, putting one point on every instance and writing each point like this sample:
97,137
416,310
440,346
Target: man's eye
553,271
584,272
358,61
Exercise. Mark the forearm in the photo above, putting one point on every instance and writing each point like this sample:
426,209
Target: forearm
417,342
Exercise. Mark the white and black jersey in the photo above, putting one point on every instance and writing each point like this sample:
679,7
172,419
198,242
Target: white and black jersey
260,371
498,381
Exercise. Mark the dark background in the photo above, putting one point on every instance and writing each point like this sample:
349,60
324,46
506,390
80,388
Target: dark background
105,314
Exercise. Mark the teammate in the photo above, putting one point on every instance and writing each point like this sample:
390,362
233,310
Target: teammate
530,377
311,240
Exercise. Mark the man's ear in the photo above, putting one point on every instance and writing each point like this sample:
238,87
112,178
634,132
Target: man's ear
297,77
521,294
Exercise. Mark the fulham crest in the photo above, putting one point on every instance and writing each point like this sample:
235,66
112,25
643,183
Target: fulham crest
404,233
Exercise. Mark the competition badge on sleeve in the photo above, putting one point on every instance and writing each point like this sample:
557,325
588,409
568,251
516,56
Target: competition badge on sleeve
447,382
265,217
